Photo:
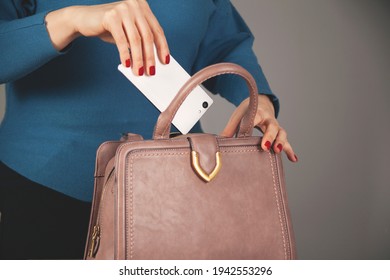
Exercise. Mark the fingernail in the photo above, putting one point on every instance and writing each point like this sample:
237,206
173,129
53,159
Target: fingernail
128,63
167,59
268,145
296,158
152,70
141,71
280,147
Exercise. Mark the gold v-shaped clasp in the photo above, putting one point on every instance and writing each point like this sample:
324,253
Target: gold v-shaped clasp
203,174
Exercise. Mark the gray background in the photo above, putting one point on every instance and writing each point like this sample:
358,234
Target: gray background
328,61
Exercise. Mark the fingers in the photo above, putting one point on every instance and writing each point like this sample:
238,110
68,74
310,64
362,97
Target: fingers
134,38
158,34
290,153
114,26
276,137
149,33
135,31
270,129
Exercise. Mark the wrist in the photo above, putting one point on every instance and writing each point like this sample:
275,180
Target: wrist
60,25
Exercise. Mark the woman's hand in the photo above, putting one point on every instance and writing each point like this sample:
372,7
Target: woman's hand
130,24
274,134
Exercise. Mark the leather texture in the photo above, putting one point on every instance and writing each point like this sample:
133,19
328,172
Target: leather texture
151,203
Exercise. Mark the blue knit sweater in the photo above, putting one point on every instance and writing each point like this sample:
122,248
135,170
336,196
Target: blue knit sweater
62,105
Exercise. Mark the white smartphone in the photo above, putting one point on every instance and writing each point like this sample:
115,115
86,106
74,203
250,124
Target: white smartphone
161,88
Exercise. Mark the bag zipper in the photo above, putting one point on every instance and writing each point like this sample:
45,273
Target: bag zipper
95,241
95,238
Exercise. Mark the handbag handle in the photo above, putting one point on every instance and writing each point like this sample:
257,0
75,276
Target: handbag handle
163,125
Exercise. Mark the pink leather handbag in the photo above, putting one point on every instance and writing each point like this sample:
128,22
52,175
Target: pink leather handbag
195,196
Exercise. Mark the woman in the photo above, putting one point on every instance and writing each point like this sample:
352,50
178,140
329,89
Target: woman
65,97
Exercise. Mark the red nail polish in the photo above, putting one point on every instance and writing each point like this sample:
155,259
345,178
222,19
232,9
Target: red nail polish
128,63
280,147
141,71
152,70
296,158
167,59
268,145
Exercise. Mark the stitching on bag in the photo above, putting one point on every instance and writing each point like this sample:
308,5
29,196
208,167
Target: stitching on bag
192,88
241,151
127,212
278,205
283,208
159,154
170,140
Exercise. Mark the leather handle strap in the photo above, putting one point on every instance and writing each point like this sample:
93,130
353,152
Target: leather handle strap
163,126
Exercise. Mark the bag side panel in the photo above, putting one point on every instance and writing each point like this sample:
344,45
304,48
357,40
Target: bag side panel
105,152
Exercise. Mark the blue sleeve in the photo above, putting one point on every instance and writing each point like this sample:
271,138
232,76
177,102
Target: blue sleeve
228,39
25,44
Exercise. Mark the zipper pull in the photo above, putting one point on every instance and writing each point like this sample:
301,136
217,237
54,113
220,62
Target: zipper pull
94,242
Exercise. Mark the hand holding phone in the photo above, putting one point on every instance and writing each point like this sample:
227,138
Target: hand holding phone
161,88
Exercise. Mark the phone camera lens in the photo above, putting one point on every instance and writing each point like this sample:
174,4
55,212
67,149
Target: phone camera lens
205,104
